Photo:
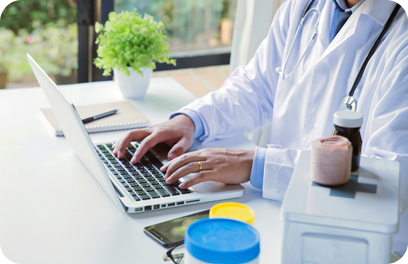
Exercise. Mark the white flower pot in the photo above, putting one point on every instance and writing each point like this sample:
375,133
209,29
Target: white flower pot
133,86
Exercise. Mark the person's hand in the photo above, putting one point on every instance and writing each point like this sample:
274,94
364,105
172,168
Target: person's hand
220,165
177,132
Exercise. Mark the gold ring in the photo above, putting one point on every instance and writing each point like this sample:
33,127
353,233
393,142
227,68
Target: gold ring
201,166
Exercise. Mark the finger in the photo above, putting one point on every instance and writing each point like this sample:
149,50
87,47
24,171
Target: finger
191,167
147,143
123,142
199,177
181,161
179,148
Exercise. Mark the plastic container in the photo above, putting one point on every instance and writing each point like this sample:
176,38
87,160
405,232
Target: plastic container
347,124
221,240
235,211
330,162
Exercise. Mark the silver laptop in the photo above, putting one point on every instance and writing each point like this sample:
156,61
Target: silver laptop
135,188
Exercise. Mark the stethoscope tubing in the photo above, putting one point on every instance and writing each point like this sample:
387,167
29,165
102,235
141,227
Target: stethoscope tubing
349,102
281,71
373,49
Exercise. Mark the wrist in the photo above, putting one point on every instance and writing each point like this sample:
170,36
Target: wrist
186,121
247,157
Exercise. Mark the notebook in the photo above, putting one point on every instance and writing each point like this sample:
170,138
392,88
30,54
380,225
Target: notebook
127,117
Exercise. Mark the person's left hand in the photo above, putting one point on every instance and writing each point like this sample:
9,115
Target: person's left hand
221,165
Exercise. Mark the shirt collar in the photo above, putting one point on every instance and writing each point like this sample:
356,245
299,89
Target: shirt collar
342,4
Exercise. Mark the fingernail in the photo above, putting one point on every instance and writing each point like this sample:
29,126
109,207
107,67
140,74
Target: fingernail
172,156
167,181
182,185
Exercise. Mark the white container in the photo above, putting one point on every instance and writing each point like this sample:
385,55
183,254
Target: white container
221,240
352,223
133,86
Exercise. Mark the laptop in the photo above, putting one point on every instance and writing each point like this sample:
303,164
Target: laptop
134,188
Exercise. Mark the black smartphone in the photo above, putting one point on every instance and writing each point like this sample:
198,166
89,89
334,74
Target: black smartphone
171,233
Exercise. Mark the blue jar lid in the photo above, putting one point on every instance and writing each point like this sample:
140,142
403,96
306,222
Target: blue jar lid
221,240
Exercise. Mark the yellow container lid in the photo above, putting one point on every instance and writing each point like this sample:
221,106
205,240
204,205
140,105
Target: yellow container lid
233,210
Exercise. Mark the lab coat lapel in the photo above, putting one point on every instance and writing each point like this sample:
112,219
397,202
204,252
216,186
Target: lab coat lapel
345,34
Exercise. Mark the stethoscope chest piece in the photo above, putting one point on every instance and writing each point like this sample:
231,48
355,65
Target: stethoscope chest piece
348,103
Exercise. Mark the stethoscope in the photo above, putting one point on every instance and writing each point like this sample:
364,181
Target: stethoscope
348,102
306,12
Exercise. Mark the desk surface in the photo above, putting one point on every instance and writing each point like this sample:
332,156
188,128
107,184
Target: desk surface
53,211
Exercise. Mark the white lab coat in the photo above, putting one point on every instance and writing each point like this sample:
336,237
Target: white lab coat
301,109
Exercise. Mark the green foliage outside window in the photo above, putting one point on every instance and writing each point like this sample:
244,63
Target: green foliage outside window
30,14
46,29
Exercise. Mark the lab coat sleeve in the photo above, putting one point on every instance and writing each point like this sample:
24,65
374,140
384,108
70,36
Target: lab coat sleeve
387,125
245,101
279,166
198,123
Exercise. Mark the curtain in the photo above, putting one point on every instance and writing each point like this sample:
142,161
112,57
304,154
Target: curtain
252,22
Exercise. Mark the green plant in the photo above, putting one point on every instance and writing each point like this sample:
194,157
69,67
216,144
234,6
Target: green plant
53,46
56,46
7,46
130,40
30,14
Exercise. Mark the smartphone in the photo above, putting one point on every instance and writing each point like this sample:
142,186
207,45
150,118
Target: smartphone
171,233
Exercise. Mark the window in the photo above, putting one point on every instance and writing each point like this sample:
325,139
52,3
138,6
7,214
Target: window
47,30
195,27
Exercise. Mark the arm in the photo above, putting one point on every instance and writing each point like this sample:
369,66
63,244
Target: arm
245,102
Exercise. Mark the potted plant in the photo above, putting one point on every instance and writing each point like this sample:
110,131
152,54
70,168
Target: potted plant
131,45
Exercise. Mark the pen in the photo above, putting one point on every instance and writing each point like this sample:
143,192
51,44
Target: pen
90,119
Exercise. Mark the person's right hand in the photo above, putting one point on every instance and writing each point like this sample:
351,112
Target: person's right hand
177,132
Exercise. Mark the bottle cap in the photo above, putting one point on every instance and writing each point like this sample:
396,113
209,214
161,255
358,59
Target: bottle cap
221,240
233,210
349,119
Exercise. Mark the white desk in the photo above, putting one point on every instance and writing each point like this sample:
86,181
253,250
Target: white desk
53,211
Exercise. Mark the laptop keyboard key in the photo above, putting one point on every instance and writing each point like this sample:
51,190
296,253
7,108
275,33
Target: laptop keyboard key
144,185
148,189
163,192
183,191
136,198
157,186
153,194
149,178
141,192
171,189
144,197
154,160
153,182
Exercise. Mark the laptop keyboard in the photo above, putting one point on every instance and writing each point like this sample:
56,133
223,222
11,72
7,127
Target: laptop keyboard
143,180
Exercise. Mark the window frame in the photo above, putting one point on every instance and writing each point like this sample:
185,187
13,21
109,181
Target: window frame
90,11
